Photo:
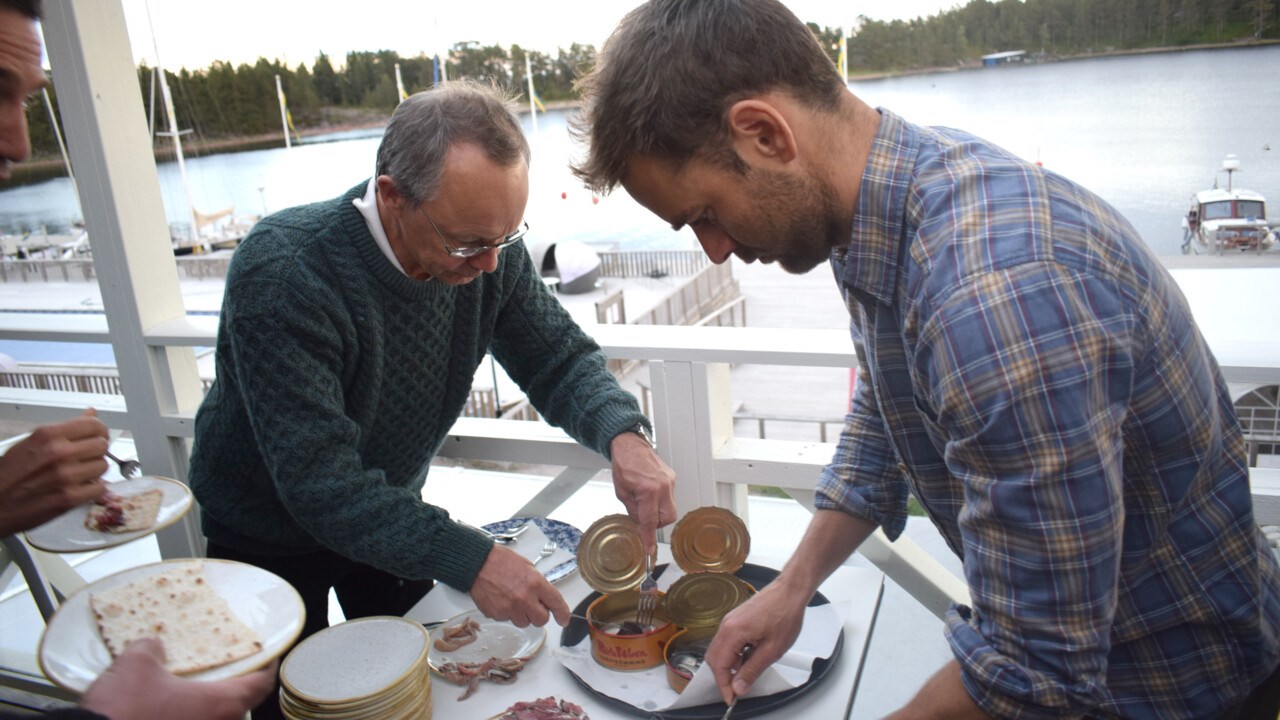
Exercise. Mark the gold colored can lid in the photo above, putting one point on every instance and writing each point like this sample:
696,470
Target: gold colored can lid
710,538
610,554
702,599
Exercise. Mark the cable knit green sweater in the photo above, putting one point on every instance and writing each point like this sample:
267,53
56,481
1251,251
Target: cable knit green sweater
338,378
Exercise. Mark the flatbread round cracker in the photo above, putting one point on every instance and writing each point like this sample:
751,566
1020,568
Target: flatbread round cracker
177,606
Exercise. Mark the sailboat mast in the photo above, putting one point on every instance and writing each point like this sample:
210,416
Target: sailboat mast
62,147
152,112
172,119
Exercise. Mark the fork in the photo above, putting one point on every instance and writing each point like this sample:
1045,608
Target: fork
128,468
648,601
502,538
742,657
547,551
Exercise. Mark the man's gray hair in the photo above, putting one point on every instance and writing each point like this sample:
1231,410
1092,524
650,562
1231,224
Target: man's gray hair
667,76
427,124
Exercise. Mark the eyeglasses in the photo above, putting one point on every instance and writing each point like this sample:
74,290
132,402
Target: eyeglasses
466,251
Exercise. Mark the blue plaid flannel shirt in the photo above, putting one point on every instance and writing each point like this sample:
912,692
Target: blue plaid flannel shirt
1034,377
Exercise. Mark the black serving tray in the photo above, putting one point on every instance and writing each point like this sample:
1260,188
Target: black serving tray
758,576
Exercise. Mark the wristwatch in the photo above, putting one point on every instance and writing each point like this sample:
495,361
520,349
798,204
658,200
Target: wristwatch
643,431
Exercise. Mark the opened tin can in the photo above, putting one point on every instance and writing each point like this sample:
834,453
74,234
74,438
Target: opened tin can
697,603
617,645
710,539
611,555
709,544
686,651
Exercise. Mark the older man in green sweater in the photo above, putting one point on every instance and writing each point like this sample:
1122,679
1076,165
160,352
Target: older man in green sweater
349,335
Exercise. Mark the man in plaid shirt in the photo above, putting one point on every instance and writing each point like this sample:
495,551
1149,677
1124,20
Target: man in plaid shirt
1031,373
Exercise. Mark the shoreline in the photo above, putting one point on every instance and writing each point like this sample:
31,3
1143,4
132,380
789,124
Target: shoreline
37,170
1159,50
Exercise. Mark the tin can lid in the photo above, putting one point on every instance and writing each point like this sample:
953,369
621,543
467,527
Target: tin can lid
710,538
610,554
702,599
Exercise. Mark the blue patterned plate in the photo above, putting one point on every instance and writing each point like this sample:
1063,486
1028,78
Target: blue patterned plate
564,534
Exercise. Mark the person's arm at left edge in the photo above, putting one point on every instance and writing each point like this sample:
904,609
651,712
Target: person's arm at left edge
643,482
56,468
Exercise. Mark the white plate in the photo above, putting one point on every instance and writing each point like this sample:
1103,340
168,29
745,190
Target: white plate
72,653
354,660
495,639
67,533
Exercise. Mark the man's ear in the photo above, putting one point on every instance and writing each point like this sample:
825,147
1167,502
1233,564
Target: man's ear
759,131
388,193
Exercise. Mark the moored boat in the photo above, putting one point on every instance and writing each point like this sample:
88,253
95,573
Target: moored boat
1227,220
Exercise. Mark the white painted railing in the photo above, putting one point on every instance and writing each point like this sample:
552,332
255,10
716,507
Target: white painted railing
688,398
613,263
689,402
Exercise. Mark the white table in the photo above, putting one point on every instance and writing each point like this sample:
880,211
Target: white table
858,590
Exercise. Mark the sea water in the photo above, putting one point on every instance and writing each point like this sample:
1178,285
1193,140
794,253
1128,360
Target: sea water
1143,131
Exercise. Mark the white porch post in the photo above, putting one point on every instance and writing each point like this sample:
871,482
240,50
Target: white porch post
693,412
88,47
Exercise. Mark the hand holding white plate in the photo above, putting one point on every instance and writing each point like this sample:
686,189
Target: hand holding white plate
67,532
73,655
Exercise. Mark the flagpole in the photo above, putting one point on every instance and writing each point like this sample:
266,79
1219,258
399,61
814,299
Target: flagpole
844,55
284,116
533,108
400,86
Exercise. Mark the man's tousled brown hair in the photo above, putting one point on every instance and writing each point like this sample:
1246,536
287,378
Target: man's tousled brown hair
668,74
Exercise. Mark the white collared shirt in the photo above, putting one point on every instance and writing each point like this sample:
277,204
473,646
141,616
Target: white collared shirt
368,207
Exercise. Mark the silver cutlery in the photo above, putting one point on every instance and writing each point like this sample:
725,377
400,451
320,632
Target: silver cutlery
128,468
742,657
648,601
605,625
502,538
509,537
547,551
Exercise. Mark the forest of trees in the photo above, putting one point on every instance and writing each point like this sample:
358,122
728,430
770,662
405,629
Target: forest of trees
223,101
1056,28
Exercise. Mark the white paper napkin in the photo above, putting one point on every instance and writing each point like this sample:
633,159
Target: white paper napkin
530,543
649,691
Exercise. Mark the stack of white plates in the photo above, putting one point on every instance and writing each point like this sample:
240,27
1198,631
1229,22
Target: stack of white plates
374,667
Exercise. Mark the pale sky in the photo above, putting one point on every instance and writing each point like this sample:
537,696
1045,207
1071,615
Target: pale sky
194,34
